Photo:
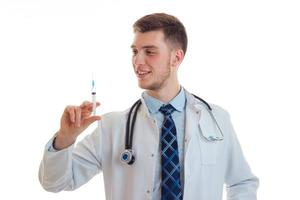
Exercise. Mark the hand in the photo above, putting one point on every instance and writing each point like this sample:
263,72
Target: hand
74,121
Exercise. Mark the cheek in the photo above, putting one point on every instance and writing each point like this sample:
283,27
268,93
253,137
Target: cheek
155,60
132,61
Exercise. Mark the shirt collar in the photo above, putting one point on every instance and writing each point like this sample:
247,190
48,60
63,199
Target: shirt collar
153,104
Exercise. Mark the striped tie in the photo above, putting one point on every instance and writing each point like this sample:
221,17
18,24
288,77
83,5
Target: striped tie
171,187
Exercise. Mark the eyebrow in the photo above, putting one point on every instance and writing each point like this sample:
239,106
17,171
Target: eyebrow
145,47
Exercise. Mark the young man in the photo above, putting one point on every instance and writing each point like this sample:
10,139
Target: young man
181,148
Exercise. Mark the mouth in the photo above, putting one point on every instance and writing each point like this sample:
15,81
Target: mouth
141,74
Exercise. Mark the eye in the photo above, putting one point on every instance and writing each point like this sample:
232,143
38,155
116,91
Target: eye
149,52
134,52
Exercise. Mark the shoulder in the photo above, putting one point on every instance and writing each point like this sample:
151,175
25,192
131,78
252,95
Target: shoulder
220,111
195,101
222,116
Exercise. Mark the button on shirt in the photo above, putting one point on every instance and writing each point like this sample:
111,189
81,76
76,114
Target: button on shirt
178,116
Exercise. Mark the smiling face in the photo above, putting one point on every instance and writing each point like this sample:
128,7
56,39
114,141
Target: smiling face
153,60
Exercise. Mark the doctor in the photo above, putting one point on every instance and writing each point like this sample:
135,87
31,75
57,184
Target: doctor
174,156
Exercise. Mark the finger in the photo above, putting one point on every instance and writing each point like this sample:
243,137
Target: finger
71,112
85,103
77,116
92,119
88,105
85,115
90,108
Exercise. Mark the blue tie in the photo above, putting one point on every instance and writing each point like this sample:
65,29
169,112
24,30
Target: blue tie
171,186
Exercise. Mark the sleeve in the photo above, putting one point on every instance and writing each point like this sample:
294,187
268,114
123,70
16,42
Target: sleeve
241,184
72,167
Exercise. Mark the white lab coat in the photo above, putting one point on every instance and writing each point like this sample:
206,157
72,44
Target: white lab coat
207,165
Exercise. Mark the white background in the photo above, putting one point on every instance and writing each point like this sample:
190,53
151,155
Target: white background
242,55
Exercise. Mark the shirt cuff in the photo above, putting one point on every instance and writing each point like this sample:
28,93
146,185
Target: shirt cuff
51,144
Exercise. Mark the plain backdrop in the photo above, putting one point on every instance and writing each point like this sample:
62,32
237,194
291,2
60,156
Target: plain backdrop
242,55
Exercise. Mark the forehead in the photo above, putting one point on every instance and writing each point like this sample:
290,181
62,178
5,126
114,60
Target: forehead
151,38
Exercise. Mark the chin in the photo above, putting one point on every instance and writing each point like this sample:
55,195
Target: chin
152,87
143,86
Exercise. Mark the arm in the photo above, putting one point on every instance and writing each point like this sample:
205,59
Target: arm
241,184
64,167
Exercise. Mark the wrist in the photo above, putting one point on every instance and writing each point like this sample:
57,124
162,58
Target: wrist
62,141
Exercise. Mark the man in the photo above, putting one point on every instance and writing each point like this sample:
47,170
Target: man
174,158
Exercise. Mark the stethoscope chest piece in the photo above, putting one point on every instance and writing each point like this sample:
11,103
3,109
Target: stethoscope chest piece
127,157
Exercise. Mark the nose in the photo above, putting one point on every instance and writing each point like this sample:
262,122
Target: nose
138,59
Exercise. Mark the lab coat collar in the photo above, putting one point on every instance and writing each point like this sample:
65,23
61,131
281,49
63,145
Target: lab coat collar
153,104
192,116
193,103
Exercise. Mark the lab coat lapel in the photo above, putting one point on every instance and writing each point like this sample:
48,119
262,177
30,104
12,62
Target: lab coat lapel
192,117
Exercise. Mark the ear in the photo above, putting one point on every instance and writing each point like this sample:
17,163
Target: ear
177,57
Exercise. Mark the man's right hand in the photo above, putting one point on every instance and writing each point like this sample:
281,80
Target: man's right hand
74,121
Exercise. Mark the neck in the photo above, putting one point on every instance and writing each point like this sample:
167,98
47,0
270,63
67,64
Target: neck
165,94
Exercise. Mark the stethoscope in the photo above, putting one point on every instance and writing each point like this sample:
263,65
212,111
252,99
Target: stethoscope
127,156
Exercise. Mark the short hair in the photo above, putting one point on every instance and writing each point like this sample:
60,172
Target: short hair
173,29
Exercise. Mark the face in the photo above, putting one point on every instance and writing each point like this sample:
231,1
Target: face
152,58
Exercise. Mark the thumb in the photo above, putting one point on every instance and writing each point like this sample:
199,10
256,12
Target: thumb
92,119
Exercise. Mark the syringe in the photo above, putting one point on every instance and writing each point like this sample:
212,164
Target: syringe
94,95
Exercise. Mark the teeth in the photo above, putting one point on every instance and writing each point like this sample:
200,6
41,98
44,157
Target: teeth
142,73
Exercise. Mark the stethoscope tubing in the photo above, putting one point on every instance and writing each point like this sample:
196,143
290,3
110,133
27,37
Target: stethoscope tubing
128,152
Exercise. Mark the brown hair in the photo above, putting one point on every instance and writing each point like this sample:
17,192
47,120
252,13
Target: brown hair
172,28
